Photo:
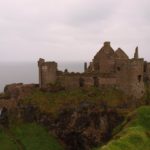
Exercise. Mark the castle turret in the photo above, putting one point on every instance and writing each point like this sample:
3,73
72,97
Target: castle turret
136,54
47,73
40,62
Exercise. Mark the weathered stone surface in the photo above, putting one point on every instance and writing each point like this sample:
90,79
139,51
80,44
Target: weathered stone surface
86,126
104,60
81,127
4,117
120,54
19,90
47,73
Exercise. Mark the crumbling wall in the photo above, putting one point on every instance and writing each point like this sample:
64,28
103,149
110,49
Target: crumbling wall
69,82
85,81
109,68
75,81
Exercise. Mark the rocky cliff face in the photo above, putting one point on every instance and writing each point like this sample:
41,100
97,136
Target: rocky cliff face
86,126
80,128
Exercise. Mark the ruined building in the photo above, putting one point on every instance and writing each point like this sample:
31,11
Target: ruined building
108,68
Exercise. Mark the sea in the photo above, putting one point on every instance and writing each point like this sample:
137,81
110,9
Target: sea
27,72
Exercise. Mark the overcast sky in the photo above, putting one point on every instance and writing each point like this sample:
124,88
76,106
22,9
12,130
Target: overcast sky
72,30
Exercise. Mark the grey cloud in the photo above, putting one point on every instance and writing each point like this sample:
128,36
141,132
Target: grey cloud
71,30
88,12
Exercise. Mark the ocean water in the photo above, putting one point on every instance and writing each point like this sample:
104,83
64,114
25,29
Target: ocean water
27,72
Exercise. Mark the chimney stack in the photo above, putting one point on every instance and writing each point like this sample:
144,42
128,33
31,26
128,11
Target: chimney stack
85,67
107,43
136,54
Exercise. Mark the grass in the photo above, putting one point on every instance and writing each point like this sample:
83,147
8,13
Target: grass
52,102
35,137
135,135
28,137
6,142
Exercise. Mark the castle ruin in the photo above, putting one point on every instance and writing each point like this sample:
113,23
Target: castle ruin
108,68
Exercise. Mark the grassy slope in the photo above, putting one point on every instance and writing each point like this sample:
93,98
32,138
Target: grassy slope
6,142
135,135
28,137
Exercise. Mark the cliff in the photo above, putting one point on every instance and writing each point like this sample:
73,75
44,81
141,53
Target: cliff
79,119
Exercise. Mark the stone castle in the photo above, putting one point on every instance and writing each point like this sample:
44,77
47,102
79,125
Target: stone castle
108,68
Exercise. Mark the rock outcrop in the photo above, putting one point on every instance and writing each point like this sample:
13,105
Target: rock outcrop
19,90
86,126
80,128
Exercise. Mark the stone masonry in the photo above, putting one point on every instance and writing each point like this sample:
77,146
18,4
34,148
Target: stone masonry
109,68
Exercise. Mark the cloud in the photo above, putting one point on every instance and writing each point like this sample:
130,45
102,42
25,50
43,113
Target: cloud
71,30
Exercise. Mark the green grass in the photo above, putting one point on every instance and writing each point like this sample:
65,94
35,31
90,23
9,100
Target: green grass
28,137
135,134
6,142
35,137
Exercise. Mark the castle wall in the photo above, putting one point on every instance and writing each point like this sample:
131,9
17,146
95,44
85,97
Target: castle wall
122,74
79,81
129,75
136,77
88,81
106,64
110,82
147,72
104,60
69,82
75,81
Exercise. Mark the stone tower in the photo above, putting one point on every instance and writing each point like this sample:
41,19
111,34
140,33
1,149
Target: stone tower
47,73
136,75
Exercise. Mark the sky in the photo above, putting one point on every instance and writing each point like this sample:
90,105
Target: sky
72,30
